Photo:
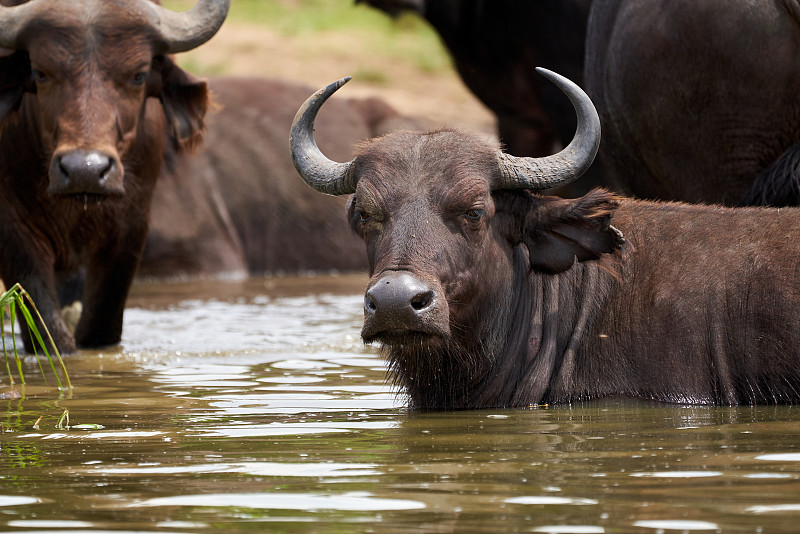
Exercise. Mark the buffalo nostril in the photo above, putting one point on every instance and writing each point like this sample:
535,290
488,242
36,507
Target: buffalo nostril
422,300
369,304
63,168
107,169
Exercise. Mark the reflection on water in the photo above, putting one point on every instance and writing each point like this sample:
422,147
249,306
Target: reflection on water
348,501
254,406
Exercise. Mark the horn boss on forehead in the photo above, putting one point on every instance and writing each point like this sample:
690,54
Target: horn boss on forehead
334,178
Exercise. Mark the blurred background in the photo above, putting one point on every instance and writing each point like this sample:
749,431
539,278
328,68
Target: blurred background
400,60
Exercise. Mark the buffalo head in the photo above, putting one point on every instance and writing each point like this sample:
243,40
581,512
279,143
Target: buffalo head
91,66
452,230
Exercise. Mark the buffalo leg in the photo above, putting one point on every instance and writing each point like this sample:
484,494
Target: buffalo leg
108,280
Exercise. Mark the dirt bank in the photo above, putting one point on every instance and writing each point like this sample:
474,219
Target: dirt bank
243,49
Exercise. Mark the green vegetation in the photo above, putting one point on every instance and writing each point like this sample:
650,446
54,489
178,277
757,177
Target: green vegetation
407,38
17,300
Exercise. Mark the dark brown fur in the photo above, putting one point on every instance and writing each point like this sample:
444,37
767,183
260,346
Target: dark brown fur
698,100
686,116
77,86
545,303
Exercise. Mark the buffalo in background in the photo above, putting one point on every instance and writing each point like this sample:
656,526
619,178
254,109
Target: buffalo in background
486,294
90,101
698,100
495,44
236,207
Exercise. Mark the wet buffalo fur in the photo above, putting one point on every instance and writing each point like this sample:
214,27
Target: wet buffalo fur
548,303
497,367
46,239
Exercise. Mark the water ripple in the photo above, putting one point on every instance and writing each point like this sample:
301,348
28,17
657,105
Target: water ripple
352,501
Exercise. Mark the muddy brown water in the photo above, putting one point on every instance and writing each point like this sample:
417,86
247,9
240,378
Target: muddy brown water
254,407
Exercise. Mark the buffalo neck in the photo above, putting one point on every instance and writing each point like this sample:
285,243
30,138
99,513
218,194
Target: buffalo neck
550,321
563,309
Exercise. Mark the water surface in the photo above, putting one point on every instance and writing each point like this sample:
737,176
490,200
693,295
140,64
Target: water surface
254,406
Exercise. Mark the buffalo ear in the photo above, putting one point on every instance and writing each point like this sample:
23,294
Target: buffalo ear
15,79
559,231
185,101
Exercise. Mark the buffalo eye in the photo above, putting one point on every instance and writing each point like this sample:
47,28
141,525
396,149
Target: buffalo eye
474,215
38,76
359,217
139,78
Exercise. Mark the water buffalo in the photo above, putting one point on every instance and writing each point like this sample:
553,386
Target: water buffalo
698,99
484,293
236,208
89,102
493,44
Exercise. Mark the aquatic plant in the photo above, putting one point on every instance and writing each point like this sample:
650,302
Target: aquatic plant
17,300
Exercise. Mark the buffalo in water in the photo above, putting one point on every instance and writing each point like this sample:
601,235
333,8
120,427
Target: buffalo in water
236,208
485,293
90,102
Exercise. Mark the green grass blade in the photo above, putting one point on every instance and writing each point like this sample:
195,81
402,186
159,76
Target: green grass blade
12,315
12,300
3,333
52,344
37,337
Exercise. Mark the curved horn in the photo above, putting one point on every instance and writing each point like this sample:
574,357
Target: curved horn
184,31
13,20
565,166
315,169
179,31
